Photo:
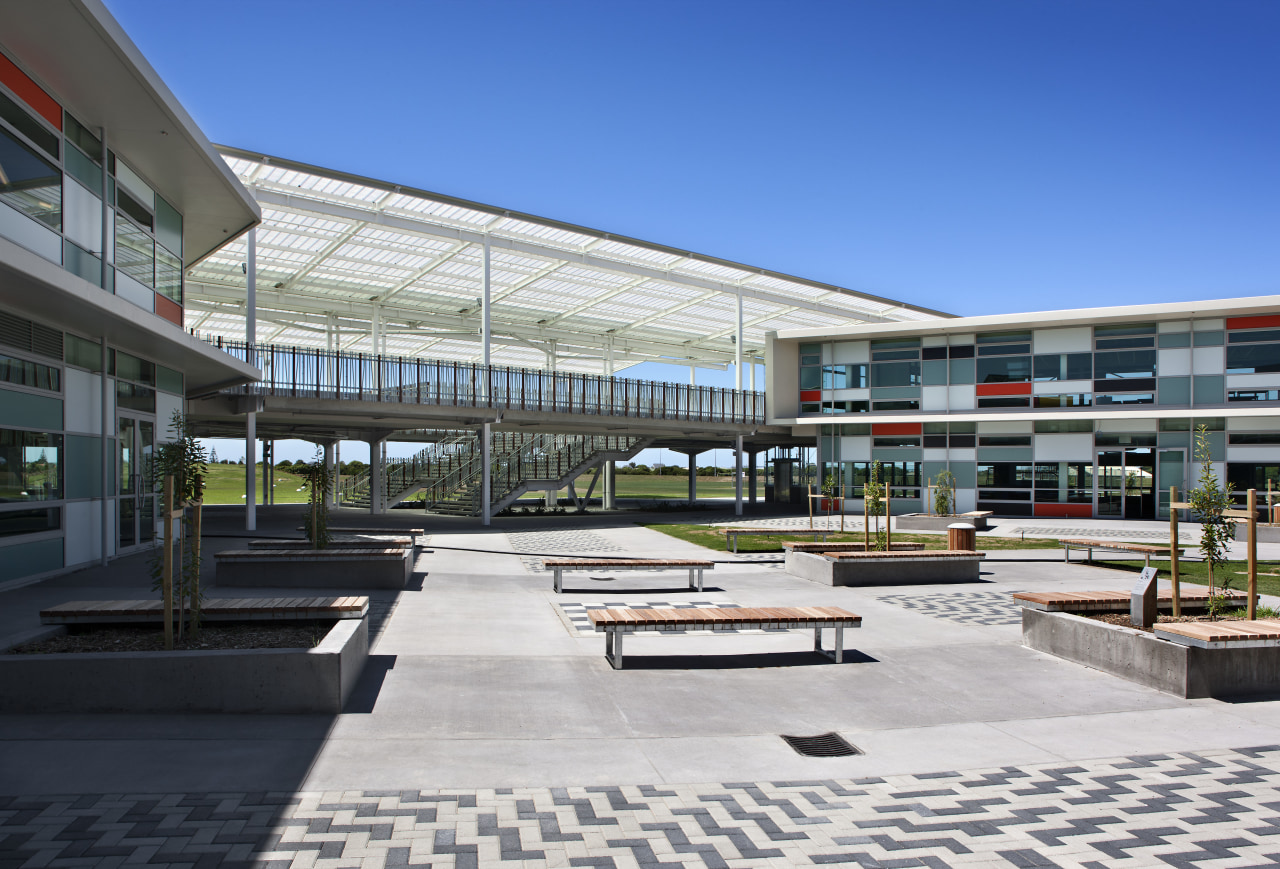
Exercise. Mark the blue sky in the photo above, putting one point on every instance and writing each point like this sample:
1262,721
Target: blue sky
976,157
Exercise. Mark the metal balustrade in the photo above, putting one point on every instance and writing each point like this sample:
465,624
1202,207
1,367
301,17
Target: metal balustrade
306,372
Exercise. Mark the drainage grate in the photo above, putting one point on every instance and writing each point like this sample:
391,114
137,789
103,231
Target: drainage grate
826,745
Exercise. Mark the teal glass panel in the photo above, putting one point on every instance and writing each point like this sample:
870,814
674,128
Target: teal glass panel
83,170
1175,339
168,226
29,559
83,466
1210,389
22,410
1174,390
168,380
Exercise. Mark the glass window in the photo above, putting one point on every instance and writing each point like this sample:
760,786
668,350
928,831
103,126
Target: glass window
891,355
895,374
30,183
1253,395
32,374
129,367
168,226
131,396
82,352
1063,426
1255,336
844,376
135,253
40,135
1253,358
896,405
13,522
1047,368
896,441
1005,475
80,136
134,209
169,380
810,377
1004,338
1118,343
933,353
168,275
1125,329
1004,441
83,169
935,441
1254,438
963,441
30,466
1069,399
961,351
1004,369
1124,363
1125,398
1004,401
1175,425
845,406
1079,366
1125,439
1212,338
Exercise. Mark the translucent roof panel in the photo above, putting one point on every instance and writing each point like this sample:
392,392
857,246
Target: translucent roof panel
339,256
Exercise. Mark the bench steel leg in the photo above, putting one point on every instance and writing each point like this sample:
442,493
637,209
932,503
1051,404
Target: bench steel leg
613,648
557,582
837,652
698,572
735,543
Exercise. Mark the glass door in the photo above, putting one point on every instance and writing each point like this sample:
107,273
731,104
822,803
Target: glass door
1171,471
1109,487
135,448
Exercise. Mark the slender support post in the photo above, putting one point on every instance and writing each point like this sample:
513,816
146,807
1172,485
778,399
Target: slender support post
693,376
888,521
1253,553
737,457
610,486
693,477
337,471
166,575
1173,551
251,418
266,472
485,470
106,454
250,471
485,300
375,477
737,356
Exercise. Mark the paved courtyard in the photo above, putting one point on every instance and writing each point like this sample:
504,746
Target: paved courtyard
490,731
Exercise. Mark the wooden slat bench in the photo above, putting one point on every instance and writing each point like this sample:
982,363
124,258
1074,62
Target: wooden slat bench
559,565
341,541
215,609
614,623
365,529
1111,601
886,568
732,534
1242,634
1144,549
847,547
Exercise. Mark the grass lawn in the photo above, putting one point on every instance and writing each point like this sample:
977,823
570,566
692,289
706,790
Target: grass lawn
712,538
225,485
1235,573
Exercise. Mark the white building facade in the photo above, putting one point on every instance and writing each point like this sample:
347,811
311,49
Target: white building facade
1078,413
108,193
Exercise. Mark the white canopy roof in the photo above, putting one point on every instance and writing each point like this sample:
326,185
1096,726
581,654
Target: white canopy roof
337,253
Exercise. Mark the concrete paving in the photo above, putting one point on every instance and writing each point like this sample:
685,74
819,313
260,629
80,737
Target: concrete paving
480,681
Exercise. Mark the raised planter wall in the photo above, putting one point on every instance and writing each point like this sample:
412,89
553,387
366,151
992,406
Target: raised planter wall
346,569
240,680
898,570
925,522
1140,657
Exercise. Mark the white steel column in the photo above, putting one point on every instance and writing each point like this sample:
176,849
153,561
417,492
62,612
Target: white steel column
251,418
737,477
375,476
753,374
608,501
375,330
328,463
485,506
106,451
737,358
337,472
485,334
693,377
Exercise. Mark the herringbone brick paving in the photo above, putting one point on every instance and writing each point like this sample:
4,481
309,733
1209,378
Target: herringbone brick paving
1216,809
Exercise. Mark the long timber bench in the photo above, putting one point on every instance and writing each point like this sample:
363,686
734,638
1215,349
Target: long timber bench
886,568
1234,634
371,533
616,623
732,534
793,546
558,566
1146,550
343,541
214,609
314,568
1113,601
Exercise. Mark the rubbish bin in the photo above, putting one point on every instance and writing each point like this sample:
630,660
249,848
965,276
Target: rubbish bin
962,536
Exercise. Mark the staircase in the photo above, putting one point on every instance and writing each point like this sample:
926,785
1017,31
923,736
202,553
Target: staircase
404,478
449,471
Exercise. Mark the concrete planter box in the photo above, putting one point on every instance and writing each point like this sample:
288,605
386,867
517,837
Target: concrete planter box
1266,534
233,680
346,541
925,522
1138,656
346,569
907,568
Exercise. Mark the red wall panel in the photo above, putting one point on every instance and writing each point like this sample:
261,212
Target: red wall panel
896,428
1268,322
1004,389
34,95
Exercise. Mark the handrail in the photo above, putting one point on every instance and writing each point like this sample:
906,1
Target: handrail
307,372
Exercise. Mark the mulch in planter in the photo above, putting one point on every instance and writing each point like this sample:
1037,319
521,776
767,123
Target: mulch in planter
150,638
1123,619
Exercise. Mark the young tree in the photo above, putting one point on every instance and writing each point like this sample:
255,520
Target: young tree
319,483
184,459
873,493
1209,501
944,494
